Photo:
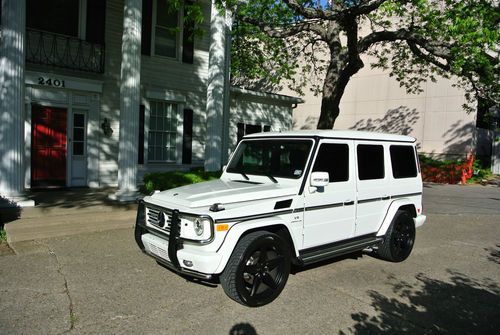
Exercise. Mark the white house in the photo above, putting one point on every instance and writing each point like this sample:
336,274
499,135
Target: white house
96,93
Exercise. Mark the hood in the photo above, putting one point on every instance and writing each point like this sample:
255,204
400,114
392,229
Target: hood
219,191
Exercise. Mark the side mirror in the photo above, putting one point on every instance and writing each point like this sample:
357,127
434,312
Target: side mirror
320,179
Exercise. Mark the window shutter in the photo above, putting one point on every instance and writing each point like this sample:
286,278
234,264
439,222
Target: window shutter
96,21
140,147
187,136
188,38
147,14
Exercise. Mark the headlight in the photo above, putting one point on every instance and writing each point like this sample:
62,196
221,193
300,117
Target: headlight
196,228
199,226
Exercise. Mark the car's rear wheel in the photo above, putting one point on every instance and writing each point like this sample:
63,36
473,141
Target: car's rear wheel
399,239
257,270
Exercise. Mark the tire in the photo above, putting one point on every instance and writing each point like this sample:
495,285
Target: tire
399,239
257,270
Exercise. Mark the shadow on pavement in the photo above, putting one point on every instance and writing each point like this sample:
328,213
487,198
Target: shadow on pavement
242,329
75,198
460,305
494,255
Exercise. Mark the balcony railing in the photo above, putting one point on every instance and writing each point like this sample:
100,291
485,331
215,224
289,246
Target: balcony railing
64,51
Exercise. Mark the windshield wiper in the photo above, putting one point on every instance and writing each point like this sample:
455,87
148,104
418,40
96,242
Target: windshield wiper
244,176
272,178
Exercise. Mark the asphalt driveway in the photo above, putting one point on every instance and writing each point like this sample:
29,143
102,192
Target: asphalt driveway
101,283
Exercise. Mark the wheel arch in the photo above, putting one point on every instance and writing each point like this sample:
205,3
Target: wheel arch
238,231
399,204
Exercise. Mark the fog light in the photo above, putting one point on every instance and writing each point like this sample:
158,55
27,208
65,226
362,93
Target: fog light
187,263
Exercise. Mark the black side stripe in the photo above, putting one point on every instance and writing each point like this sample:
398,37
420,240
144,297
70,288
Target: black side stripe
252,217
312,208
389,197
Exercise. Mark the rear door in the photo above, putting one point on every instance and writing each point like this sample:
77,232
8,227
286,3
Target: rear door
329,214
373,183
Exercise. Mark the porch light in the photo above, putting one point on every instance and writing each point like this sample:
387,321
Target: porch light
106,127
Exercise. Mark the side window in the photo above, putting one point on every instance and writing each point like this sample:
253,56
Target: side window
334,159
403,161
370,161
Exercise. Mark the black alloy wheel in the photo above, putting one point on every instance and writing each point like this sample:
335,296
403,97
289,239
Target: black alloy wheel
399,239
257,270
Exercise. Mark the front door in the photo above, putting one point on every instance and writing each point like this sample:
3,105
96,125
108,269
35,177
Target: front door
48,157
330,211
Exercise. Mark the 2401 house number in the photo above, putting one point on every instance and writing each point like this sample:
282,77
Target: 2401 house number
51,82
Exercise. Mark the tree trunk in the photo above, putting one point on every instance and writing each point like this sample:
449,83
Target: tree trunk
333,90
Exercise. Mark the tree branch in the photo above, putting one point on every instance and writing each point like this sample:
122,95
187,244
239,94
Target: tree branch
427,57
287,31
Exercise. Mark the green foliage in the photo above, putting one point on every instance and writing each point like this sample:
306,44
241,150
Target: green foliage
192,15
167,180
3,236
464,37
448,38
480,172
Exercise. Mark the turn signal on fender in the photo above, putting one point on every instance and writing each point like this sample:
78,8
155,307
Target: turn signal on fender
222,227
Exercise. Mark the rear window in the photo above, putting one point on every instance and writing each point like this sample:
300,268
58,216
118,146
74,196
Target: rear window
403,161
370,161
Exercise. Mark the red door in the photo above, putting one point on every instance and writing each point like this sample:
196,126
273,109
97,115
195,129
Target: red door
48,153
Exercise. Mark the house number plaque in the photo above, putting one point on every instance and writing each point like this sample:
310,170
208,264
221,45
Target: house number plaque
47,81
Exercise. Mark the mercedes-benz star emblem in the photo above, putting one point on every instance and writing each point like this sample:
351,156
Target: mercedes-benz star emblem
161,219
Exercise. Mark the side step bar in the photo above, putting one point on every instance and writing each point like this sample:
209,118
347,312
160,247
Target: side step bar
317,254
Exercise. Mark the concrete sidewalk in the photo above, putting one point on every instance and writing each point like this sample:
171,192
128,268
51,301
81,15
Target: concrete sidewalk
67,212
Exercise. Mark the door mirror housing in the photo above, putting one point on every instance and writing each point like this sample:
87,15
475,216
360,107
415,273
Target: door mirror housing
320,179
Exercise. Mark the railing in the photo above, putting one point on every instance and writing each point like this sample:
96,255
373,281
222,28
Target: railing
64,51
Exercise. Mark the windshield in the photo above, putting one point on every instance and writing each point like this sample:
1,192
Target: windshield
277,158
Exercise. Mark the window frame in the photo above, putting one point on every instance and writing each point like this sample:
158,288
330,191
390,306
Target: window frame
179,107
81,25
349,160
412,150
384,161
178,35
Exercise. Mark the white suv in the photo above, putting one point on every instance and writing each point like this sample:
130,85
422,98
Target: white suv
287,198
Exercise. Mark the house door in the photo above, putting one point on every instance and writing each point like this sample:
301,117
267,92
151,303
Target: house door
48,156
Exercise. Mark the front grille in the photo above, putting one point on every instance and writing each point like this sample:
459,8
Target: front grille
160,218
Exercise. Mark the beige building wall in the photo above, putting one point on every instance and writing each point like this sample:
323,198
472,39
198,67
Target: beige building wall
374,101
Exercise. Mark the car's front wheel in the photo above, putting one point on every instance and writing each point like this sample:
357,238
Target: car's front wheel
257,270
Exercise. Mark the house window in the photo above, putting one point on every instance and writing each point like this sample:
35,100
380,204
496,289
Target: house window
246,129
166,30
84,19
55,16
162,137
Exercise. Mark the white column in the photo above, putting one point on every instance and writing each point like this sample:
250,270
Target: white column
129,101
217,68
12,103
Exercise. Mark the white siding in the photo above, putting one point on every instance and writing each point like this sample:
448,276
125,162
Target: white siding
157,73
254,110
